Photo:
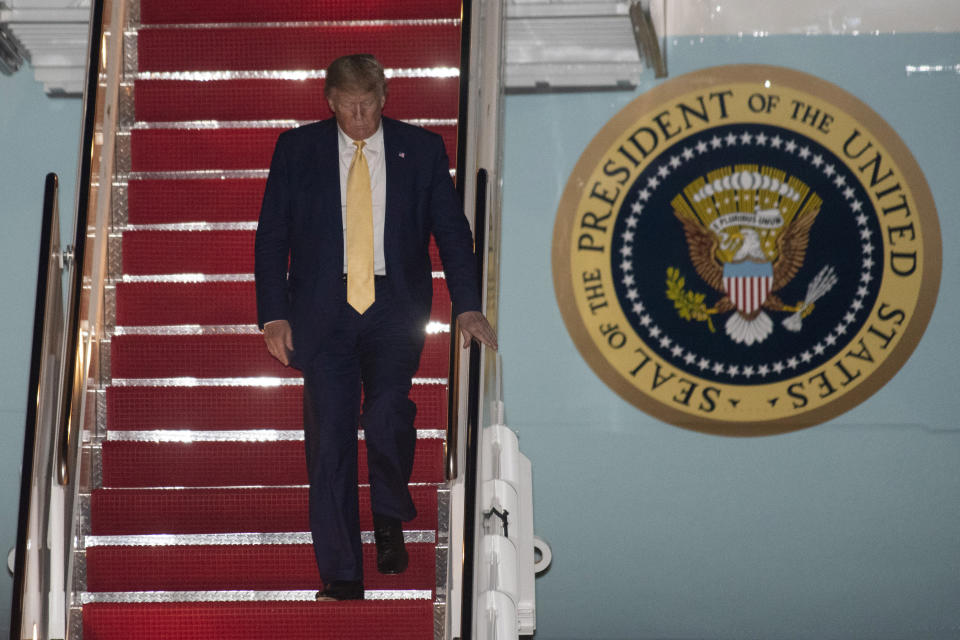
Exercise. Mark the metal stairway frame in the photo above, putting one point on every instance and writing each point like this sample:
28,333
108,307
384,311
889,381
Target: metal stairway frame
92,307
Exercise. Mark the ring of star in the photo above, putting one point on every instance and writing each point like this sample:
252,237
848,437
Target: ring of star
701,146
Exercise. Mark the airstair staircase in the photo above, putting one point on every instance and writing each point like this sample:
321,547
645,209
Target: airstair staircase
192,518
197,526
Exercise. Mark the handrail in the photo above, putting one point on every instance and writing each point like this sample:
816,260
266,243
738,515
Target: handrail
483,63
71,388
473,431
47,333
451,446
55,393
453,396
451,468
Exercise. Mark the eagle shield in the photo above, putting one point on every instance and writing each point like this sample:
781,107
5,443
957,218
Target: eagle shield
748,284
747,228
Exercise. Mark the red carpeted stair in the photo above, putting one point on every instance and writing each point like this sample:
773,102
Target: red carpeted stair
222,148
198,525
260,619
260,567
186,464
236,509
231,100
232,407
210,302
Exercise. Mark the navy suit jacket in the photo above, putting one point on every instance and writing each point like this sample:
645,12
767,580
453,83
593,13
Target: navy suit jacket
299,243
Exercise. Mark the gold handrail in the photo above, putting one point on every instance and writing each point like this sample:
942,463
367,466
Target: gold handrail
68,403
84,310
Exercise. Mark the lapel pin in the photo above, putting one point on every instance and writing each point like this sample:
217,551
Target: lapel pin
402,154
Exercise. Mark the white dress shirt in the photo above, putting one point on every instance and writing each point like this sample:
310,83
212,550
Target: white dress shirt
374,152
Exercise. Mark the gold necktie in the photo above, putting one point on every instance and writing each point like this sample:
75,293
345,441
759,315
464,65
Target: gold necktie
359,231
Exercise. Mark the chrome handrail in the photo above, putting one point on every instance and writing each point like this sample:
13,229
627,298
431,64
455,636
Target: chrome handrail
32,565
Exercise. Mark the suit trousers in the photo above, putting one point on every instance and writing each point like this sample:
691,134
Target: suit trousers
379,353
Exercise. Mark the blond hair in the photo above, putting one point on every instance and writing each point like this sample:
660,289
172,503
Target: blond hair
356,72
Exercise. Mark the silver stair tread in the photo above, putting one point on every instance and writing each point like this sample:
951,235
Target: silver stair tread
221,329
187,436
250,381
416,536
275,123
289,74
88,597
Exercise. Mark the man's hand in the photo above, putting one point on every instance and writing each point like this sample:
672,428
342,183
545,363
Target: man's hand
473,326
279,339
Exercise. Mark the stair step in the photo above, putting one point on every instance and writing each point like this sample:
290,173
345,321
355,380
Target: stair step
206,464
213,252
213,303
207,252
190,11
402,46
229,356
199,303
270,567
198,149
270,99
172,201
352,620
182,149
203,467
204,356
233,407
223,510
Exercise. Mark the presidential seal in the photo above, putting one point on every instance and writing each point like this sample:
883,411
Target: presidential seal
746,250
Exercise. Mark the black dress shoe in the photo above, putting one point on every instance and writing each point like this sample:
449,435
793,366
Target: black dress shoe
392,555
341,590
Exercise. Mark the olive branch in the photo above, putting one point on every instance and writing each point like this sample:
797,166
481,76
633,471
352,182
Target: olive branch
689,305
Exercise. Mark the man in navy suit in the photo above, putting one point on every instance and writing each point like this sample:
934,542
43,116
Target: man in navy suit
302,282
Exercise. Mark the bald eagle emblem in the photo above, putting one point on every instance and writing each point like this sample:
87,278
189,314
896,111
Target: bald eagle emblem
747,228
